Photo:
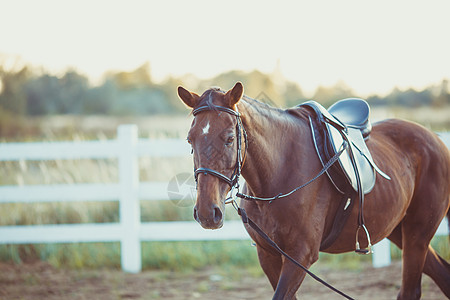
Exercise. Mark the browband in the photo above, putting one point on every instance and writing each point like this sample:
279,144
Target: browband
215,107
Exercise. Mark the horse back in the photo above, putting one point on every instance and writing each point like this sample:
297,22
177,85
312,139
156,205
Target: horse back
411,143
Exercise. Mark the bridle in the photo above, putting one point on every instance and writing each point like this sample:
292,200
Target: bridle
232,181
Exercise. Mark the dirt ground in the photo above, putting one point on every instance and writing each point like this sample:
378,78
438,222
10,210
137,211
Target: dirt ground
42,281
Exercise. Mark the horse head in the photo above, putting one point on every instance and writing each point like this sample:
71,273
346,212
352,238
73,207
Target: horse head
216,140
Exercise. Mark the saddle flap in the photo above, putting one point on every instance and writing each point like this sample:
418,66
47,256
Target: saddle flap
361,154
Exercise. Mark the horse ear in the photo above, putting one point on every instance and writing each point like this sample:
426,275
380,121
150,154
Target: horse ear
235,93
190,99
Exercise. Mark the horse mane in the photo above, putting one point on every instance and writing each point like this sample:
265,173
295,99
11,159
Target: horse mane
266,110
261,107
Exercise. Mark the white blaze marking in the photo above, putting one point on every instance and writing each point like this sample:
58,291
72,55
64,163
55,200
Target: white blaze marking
206,129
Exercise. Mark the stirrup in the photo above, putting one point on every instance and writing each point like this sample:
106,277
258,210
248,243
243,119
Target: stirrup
369,247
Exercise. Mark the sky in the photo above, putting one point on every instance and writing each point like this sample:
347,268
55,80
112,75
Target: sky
372,46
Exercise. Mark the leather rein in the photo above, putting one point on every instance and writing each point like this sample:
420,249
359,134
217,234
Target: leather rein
233,182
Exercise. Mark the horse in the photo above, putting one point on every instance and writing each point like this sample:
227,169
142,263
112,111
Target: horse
272,148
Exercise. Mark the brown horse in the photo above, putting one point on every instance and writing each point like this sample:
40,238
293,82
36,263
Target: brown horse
406,209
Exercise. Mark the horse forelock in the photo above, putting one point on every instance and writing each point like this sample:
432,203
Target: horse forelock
206,99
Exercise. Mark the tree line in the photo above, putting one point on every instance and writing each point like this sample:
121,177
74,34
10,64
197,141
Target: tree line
27,92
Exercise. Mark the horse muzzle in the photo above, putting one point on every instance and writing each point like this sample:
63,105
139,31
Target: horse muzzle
209,217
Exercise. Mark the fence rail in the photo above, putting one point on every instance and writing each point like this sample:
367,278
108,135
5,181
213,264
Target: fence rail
129,231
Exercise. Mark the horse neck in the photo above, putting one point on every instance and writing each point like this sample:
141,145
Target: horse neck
269,133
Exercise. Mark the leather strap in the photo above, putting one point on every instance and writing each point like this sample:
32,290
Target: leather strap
221,108
207,171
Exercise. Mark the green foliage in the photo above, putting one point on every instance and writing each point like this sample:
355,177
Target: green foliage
179,256
48,94
434,96
75,256
176,256
13,97
27,92
348,261
185,256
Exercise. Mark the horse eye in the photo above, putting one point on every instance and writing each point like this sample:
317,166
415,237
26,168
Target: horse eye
230,141
189,141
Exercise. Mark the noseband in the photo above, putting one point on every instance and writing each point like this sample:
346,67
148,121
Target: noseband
233,180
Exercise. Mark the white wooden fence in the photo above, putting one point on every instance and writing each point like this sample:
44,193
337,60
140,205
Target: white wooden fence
129,231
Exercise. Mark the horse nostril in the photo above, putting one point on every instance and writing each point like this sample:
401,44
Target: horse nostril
195,214
212,218
217,215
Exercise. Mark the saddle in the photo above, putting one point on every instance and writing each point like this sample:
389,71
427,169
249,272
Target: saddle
345,127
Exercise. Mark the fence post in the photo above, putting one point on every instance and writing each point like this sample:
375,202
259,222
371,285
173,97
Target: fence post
381,254
129,207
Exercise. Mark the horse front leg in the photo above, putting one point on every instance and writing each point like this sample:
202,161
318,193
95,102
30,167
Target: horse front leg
292,276
271,264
